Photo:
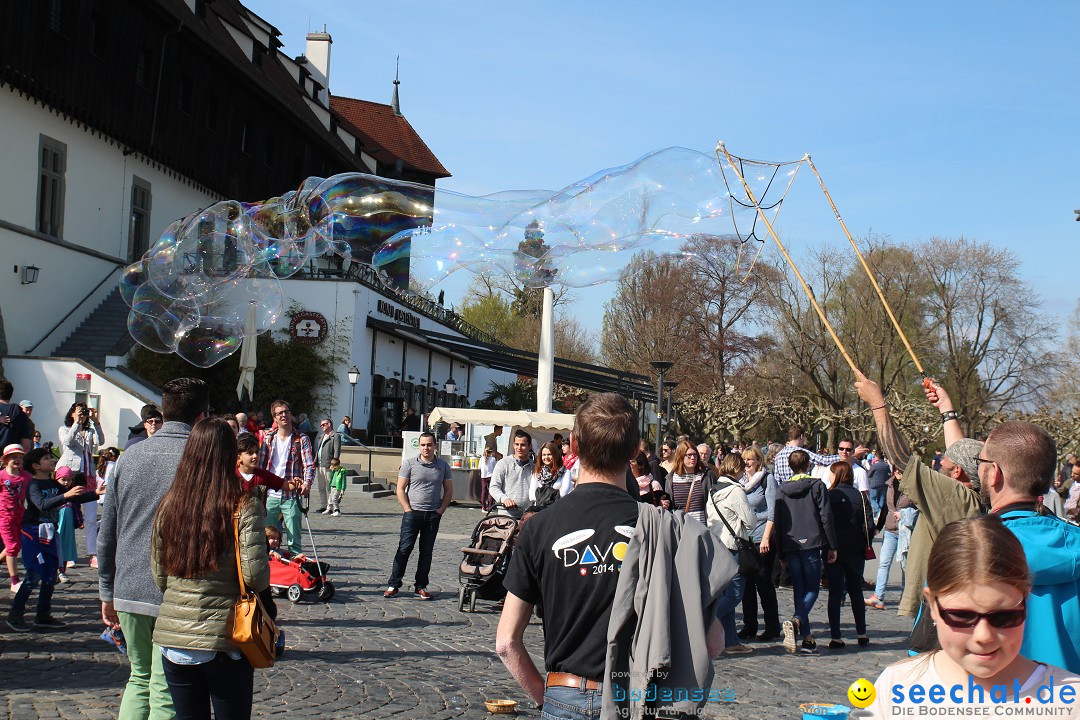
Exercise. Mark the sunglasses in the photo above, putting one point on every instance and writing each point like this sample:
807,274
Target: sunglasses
847,449
967,619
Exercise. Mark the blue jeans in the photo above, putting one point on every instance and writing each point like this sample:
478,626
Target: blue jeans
41,564
725,608
889,541
562,703
877,499
422,523
805,568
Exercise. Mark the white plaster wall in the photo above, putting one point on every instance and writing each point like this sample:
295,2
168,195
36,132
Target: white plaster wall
65,279
97,207
49,383
98,180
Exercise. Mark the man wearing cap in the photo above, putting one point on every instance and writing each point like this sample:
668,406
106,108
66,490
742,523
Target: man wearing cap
28,410
151,422
941,497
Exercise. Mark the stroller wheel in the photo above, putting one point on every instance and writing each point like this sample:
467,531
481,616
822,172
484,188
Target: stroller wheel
472,600
295,592
326,592
461,599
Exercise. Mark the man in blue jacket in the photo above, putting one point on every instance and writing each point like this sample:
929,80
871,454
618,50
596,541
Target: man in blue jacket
1016,467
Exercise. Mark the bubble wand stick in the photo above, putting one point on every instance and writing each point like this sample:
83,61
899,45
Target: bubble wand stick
866,267
772,233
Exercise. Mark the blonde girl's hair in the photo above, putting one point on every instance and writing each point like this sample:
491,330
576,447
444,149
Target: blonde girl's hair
976,550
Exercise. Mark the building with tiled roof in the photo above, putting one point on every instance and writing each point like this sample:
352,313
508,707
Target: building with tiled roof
389,138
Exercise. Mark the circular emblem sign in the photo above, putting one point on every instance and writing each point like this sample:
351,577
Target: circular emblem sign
308,327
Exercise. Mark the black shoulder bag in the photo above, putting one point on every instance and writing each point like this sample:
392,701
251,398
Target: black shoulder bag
748,554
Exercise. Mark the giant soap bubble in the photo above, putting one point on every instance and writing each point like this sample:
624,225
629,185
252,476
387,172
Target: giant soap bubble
191,292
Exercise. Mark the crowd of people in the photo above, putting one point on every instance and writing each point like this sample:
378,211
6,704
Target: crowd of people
981,532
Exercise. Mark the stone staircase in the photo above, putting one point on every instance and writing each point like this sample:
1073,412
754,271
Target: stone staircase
103,332
368,487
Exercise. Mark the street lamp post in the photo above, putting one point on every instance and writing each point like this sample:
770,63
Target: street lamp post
661,367
670,414
354,377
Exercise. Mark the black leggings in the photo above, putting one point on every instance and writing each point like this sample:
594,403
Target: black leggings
760,584
846,574
226,683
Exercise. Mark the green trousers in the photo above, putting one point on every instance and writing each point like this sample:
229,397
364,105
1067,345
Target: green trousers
146,696
289,511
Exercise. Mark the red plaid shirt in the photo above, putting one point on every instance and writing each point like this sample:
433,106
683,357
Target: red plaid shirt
301,463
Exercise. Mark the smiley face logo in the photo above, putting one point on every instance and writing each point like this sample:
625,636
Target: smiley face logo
861,693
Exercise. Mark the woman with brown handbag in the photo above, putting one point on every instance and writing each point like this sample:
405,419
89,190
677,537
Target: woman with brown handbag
194,558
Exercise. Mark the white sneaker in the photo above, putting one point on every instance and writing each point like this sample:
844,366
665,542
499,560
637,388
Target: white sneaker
325,511
62,577
335,514
15,584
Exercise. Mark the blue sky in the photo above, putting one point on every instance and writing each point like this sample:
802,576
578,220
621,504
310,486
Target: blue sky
925,119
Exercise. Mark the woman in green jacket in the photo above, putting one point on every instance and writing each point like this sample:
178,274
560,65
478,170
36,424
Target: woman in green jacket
194,564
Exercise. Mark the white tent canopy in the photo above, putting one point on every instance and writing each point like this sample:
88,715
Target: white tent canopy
506,418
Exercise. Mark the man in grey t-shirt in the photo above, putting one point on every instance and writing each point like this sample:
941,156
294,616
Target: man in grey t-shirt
424,489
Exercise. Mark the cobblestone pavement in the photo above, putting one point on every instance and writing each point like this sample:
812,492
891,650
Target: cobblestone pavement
360,656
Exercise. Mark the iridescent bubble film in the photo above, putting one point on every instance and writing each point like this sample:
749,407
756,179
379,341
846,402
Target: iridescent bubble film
191,292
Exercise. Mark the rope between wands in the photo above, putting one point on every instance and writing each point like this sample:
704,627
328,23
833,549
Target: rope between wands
866,267
772,233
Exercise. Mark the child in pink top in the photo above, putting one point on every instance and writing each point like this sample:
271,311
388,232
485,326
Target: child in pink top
13,483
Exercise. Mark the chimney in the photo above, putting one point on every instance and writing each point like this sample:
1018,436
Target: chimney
318,55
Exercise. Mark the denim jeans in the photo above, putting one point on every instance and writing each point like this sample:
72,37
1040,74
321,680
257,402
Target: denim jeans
561,703
725,608
877,499
805,568
424,523
885,558
225,683
846,576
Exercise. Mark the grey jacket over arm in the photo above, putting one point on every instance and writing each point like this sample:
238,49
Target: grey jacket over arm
654,634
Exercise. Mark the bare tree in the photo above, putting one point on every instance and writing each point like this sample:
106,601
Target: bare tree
994,352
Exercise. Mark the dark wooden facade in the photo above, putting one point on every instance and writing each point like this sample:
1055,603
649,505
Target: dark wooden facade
172,84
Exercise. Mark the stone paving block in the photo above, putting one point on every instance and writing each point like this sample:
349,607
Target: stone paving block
362,656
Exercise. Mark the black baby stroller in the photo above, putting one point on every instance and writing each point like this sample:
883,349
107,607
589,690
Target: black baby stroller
482,569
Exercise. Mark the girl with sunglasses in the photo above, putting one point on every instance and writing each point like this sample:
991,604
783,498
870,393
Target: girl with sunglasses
977,585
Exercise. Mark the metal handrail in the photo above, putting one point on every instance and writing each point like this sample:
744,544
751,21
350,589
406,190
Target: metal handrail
72,311
367,276
364,445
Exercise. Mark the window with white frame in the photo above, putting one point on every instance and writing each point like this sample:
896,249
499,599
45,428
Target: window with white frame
52,163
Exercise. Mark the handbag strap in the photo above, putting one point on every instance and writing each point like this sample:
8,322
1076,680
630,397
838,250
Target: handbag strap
866,519
236,546
690,494
731,530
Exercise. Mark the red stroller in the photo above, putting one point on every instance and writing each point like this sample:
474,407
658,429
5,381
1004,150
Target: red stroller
299,576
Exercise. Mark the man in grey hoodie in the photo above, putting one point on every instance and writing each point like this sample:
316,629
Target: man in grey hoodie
129,597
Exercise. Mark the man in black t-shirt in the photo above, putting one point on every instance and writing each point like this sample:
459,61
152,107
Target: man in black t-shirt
568,561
